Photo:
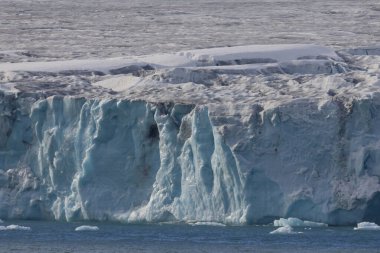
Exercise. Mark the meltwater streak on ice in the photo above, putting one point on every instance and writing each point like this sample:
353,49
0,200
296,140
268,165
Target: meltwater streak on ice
217,139
70,29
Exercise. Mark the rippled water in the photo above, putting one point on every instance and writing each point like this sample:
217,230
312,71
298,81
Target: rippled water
52,29
61,237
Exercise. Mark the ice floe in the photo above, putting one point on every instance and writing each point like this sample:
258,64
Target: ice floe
367,226
14,227
87,228
207,223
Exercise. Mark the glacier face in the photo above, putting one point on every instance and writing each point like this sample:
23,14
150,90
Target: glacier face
219,138
119,160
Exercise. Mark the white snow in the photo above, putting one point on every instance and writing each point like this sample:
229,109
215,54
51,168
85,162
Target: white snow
15,227
278,53
120,83
286,230
367,226
295,222
87,228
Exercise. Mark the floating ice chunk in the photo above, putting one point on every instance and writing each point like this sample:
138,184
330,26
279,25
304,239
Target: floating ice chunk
285,230
295,222
1,221
14,227
367,226
87,228
208,223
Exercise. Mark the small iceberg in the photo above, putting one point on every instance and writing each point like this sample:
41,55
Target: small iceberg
208,223
295,222
367,226
286,230
14,227
87,228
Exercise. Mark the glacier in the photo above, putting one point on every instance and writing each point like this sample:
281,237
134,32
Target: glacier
236,135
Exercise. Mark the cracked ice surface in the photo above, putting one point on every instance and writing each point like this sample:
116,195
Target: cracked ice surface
70,29
230,135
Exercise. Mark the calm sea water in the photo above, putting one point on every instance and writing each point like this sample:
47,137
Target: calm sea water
60,237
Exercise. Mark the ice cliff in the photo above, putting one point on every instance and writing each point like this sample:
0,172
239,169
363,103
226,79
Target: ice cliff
234,135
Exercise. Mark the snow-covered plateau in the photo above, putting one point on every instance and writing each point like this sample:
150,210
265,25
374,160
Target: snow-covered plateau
235,135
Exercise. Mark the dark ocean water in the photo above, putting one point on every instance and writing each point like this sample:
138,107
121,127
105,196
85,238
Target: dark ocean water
61,237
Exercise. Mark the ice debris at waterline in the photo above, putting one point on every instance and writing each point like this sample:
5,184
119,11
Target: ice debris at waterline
285,231
367,226
15,227
295,222
235,135
87,228
207,223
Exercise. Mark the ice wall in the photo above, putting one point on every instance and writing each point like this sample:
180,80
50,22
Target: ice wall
309,149
117,160
74,158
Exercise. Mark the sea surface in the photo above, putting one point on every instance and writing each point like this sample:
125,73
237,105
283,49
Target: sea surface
61,237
